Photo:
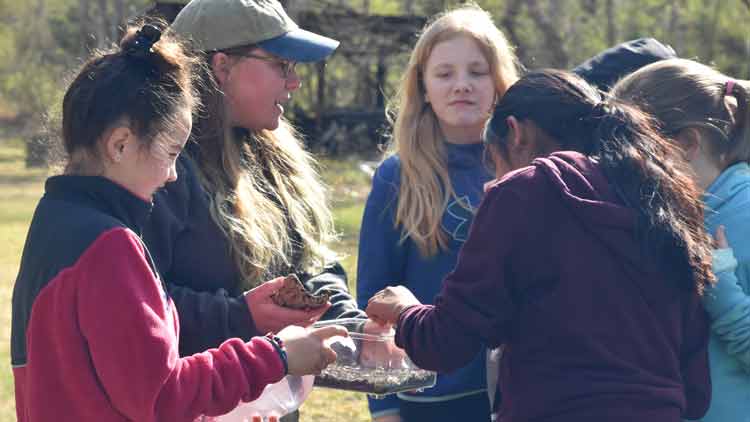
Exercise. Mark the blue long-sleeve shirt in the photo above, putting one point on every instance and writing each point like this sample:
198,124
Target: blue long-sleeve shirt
384,260
728,302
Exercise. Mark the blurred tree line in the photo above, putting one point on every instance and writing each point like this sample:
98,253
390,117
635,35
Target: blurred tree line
340,105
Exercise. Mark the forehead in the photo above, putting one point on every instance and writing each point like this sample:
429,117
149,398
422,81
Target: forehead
456,50
177,130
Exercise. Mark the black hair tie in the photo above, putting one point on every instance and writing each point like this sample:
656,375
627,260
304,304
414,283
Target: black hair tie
145,38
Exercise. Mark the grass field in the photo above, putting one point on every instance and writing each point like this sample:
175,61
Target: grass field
20,189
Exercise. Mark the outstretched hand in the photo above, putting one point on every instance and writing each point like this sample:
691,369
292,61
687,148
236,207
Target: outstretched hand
386,305
270,317
306,348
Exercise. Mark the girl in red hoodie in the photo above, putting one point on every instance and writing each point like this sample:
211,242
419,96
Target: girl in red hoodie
95,334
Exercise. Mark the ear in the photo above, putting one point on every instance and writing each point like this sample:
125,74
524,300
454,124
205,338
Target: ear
690,142
117,143
221,64
516,139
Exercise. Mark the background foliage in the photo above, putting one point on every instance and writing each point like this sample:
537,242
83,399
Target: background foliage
42,42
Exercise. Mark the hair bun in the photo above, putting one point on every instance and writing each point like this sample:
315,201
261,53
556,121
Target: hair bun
144,39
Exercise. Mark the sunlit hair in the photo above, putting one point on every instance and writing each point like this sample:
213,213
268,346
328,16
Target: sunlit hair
145,89
265,193
425,188
684,94
643,167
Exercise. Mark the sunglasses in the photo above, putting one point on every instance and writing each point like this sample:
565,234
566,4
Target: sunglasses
286,66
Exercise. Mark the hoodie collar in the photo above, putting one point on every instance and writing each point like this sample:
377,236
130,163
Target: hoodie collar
585,189
102,194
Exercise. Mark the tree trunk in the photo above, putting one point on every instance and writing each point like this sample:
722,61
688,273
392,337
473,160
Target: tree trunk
409,7
508,22
380,76
84,26
120,19
711,31
105,25
611,23
676,35
551,35
321,100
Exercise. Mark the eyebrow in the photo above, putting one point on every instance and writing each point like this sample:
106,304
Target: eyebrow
452,64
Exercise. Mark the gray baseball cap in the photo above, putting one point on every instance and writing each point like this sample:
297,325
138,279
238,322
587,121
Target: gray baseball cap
222,24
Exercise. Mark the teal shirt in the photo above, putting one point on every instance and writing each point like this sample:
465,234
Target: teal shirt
728,303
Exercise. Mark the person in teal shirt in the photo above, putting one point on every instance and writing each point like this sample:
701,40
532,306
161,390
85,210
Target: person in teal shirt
706,112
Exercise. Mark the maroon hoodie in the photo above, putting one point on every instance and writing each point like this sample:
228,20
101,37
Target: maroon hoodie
593,330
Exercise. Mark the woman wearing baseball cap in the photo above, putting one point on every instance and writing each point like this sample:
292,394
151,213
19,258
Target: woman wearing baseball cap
249,206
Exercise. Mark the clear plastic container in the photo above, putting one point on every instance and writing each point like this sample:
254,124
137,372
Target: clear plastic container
369,361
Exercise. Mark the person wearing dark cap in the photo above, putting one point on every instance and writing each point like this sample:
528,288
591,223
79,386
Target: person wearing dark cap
249,206
606,68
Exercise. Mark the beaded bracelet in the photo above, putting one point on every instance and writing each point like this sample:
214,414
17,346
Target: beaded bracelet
278,344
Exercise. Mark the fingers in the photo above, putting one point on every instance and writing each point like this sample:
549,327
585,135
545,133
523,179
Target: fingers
327,332
317,313
720,240
329,356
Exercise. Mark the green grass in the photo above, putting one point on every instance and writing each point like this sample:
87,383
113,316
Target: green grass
20,189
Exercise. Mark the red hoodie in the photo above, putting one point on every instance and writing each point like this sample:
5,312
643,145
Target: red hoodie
94,333
593,331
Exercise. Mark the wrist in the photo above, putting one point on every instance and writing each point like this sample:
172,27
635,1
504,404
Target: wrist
278,345
404,309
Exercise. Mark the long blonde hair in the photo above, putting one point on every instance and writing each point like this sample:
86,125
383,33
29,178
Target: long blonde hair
264,191
425,187
684,94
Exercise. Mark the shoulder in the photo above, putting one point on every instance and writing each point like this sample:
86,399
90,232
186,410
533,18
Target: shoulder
387,177
389,171
72,224
523,182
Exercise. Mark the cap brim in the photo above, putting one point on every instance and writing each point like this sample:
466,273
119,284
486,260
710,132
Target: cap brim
300,46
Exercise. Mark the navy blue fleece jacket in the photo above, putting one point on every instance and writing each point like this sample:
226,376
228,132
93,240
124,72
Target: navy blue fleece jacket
384,260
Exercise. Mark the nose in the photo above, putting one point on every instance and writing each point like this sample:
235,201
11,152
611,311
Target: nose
463,83
293,81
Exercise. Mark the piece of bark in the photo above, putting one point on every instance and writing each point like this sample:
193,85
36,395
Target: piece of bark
293,294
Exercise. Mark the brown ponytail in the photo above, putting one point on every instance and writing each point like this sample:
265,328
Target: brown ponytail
145,81
686,94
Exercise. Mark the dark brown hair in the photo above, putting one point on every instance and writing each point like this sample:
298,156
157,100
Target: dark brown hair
686,94
643,167
146,80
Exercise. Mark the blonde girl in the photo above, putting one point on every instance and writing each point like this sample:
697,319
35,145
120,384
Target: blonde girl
426,189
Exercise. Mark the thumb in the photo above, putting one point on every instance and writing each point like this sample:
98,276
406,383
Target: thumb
330,331
269,286
721,238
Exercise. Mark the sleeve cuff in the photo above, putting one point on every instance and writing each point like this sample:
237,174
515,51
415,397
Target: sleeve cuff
387,412
723,260
241,320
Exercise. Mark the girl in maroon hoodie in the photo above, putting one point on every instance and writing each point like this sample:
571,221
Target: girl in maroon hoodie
587,264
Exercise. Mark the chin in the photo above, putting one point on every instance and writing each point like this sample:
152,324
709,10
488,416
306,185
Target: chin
273,125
